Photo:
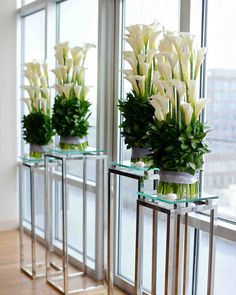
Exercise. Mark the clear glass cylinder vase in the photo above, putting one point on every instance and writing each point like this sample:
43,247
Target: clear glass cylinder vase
182,184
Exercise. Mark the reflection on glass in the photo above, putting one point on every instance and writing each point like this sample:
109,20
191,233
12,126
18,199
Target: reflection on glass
79,25
220,168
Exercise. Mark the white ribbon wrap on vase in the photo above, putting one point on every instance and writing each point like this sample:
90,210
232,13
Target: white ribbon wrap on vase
38,148
178,177
73,139
139,152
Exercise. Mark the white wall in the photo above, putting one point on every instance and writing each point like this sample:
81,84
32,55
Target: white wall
8,157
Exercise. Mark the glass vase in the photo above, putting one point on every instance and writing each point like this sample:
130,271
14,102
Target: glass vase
140,154
37,151
73,143
182,184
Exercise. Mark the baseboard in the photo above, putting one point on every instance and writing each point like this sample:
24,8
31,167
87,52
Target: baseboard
9,225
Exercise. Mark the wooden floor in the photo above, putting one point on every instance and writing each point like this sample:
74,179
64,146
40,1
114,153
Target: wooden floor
15,282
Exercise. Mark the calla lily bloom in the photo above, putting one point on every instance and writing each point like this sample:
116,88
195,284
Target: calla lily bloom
77,90
27,102
180,87
165,71
141,84
144,68
162,101
165,45
46,92
59,54
133,81
69,63
134,29
188,112
159,115
43,81
184,59
152,38
66,89
84,91
199,105
200,56
150,55
29,89
133,63
170,56
58,88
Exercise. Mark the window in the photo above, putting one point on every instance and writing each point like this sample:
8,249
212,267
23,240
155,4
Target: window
166,13
220,167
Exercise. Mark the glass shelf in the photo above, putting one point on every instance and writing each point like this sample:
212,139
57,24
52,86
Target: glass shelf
131,166
88,150
31,160
164,199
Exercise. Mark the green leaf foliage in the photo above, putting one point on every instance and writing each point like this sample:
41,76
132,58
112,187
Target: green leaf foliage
137,116
70,116
37,128
177,148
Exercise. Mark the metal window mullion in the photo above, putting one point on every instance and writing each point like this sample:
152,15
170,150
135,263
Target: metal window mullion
185,10
32,8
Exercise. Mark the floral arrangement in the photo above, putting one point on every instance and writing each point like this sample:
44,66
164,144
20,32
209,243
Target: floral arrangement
177,135
71,108
136,111
37,127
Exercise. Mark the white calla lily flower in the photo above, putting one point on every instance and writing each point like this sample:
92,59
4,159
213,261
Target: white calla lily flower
29,89
28,103
185,59
141,84
159,115
58,74
80,76
141,57
153,37
144,67
43,81
165,71
128,72
189,38
157,84
58,88
170,56
84,91
134,29
150,55
200,56
46,92
199,105
128,54
59,55
66,88
69,63
180,87
165,45
134,84
77,90
133,63
188,112
163,102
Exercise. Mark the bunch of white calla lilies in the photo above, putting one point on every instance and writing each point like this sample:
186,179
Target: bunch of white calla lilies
177,66
142,40
38,87
70,70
